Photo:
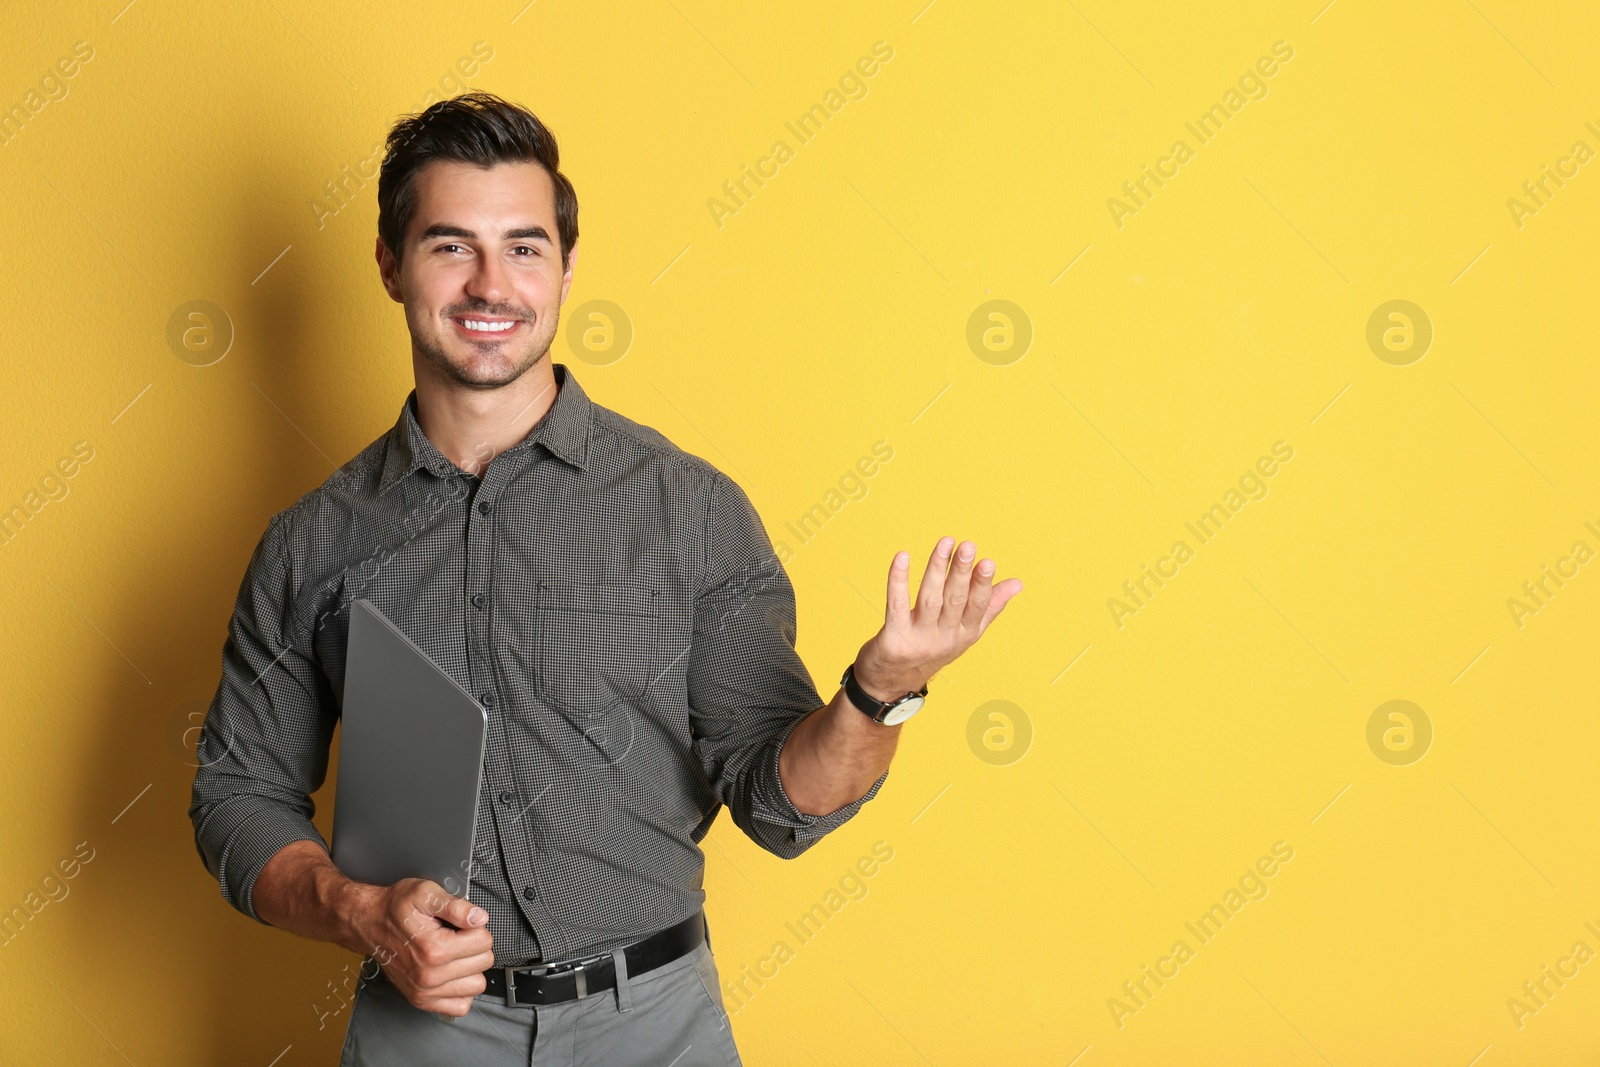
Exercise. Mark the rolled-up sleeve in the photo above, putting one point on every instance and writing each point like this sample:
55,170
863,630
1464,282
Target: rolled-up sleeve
747,686
263,749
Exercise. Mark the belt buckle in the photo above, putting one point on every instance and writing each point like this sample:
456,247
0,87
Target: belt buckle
511,980
548,969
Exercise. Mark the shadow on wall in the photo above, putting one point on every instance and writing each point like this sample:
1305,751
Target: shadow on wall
159,919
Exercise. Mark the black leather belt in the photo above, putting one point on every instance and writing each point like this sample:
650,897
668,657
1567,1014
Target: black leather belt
561,980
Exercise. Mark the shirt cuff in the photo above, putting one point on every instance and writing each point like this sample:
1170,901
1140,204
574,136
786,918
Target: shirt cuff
807,829
258,837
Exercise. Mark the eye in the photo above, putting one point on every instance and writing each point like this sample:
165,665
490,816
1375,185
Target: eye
526,248
445,247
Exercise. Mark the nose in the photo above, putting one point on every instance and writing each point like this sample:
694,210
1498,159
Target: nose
490,282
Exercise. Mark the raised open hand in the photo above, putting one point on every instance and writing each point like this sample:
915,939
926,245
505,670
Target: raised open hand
954,606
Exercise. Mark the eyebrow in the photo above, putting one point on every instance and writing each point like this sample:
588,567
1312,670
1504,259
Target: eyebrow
525,233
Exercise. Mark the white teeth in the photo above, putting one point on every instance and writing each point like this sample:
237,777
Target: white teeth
487,327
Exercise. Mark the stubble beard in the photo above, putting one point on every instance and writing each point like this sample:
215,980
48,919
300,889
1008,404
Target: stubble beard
485,375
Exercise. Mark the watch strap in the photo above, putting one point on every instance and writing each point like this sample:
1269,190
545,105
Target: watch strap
872,708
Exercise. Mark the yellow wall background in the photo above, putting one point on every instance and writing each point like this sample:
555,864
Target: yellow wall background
1136,772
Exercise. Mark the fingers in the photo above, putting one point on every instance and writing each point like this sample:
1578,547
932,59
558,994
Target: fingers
459,976
958,589
449,971
1002,595
457,911
448,945
930,596
897,605
452,1007
982,594
971,598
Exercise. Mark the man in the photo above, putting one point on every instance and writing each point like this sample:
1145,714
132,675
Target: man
616,605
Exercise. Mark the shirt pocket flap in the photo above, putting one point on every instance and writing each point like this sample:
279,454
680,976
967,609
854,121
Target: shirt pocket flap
598,643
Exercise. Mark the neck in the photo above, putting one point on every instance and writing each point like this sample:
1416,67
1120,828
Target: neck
472,426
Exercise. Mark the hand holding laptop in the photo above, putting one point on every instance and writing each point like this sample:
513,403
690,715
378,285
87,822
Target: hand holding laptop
433,947
405,812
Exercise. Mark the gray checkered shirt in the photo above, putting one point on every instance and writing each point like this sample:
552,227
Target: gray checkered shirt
617,607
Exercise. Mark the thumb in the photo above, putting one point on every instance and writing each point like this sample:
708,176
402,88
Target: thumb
457,911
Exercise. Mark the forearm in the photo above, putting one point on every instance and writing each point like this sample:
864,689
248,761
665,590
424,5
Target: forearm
834,756
301,891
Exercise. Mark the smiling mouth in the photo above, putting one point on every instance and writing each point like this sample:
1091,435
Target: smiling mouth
485,327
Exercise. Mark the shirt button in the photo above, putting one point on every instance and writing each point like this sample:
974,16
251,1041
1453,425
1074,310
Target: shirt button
506,797
528,893
479,600
488,700
483,507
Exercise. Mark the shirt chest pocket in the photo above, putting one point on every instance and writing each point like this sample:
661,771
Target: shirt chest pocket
598,643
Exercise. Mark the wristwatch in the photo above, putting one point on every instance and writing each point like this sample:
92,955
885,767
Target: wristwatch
887,712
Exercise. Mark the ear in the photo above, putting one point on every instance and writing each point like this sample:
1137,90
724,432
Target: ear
566,277
388,272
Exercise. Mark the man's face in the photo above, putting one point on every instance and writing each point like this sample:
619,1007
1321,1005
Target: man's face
481,280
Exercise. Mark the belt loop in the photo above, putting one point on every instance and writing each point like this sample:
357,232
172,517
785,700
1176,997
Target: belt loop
619,957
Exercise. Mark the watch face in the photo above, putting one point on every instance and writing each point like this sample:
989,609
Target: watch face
901,712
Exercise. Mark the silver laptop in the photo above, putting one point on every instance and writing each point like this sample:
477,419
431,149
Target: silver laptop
410,762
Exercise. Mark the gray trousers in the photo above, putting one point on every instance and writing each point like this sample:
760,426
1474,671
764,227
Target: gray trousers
674,1017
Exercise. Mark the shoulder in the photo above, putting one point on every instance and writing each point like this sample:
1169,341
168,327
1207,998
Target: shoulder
335,504
720,512
616,439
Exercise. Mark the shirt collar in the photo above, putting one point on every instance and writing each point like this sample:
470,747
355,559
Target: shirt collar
563,431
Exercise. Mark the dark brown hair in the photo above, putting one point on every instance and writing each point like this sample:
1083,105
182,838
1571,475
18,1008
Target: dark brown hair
478,128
